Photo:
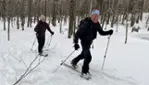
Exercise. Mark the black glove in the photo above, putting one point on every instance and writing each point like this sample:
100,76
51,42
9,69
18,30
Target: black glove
52,33
76,46
37,34
110,32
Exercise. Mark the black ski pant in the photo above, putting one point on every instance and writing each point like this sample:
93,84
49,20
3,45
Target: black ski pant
86,55
41,41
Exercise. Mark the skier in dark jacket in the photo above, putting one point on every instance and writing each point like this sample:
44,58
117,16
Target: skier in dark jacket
40,30
87,32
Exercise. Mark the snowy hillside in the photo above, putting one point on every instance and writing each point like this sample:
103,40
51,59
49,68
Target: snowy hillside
126,64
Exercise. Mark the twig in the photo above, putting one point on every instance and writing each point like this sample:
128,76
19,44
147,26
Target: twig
34,67
26,71
23,62
15,57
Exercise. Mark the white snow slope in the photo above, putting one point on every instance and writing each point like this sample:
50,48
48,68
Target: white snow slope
126,64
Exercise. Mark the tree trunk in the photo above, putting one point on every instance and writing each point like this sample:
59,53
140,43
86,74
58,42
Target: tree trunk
4,13
137,21
8,28
12,22
108,18
9,17
54,13
61,17
117,23
141,14
18,22
112,23
132,20
4,23
74,29
35,19
147,21
45,9
71,18
123,19
103,21
29,13
126,38
23,14
65,19
91,5
38,10
78,20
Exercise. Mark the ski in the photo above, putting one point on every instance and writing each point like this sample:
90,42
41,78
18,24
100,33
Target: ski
74,69
45,55
71,67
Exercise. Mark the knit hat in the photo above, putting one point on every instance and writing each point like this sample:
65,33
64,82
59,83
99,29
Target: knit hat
42,17
95,11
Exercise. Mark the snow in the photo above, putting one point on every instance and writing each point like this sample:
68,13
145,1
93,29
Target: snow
126,64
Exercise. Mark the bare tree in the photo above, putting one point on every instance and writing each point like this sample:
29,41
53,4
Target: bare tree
111,11
4,13
72,18
126,38
29,23
54,12
9,17
22,14
61,15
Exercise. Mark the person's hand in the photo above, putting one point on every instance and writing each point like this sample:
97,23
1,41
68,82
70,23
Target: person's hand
37,34
52,33
110,32
76,46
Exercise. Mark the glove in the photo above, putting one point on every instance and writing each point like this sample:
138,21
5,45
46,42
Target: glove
76,46
52,33
37,34
110,32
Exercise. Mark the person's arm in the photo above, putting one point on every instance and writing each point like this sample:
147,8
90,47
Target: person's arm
36,29
48,28
102,32
80,31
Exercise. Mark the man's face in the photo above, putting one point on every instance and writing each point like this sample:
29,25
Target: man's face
43,20
95,18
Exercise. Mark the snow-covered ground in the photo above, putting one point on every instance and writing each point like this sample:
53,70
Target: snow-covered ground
126,64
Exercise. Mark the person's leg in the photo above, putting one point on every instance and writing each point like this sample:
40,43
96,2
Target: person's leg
87,60
77,59
42,44
39,45
87,57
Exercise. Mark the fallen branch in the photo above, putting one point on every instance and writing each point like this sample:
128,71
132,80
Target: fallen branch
26,71
34,67
23,62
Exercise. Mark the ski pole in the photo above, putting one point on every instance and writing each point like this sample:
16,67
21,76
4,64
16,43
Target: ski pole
33,43
106,53
63,61
47,42
50,41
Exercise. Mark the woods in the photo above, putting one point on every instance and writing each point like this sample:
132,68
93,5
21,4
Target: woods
37,37
113,12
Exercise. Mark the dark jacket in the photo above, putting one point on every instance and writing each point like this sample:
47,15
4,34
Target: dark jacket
41,28
87,31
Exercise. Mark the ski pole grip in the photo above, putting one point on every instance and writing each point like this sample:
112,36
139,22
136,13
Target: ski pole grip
109,37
